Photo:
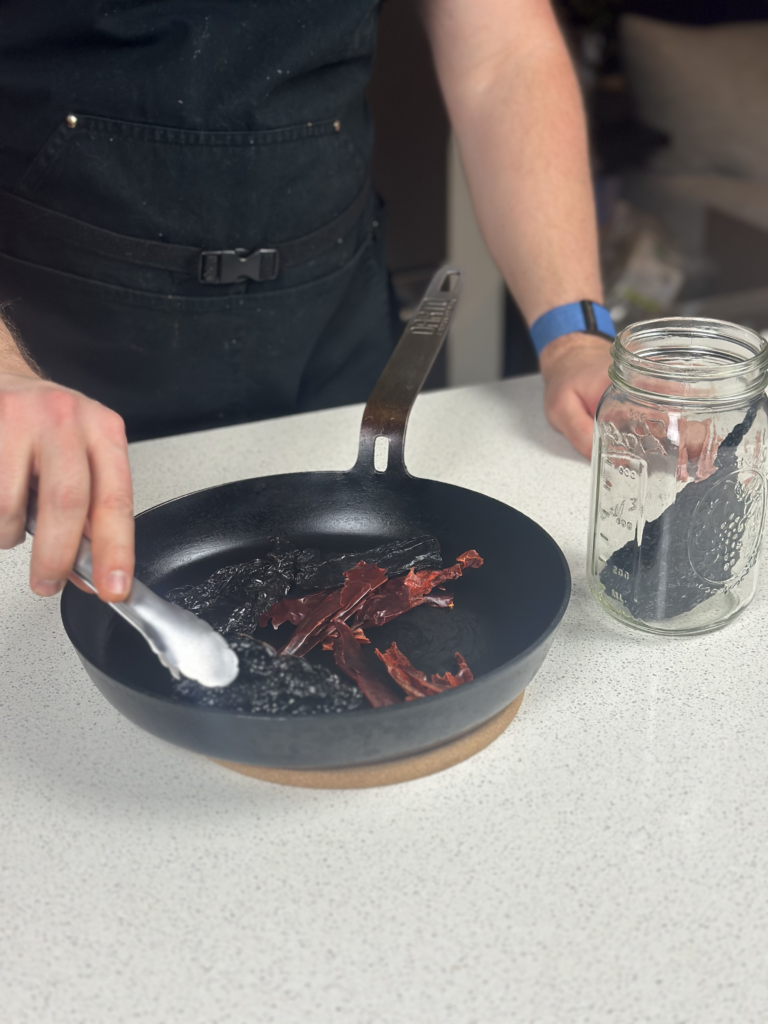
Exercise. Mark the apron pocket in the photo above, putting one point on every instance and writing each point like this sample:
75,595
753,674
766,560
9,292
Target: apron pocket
204,188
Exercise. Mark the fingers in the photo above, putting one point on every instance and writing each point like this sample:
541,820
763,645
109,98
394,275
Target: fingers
15,461
111,510
570,417
77,449
64,494
575,370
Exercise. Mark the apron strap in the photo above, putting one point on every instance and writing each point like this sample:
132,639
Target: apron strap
209,266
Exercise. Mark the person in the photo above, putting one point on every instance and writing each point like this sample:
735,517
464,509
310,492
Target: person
188,236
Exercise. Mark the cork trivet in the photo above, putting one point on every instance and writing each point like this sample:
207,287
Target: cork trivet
387,773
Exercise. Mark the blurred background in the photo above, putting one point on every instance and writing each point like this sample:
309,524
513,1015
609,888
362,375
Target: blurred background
677,98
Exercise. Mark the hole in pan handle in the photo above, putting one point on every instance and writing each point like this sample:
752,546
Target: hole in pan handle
382,434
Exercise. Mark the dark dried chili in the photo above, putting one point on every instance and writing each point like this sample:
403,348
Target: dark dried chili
233,598
318,571
269,684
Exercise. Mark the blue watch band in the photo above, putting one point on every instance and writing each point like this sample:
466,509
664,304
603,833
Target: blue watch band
587,316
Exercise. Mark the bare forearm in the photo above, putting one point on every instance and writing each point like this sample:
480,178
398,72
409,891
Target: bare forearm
516,109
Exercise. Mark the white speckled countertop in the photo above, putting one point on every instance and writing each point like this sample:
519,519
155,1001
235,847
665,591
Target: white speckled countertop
605,860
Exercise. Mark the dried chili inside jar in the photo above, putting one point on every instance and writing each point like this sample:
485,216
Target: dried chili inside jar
679,475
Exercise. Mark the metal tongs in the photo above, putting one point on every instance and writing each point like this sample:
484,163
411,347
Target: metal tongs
185,644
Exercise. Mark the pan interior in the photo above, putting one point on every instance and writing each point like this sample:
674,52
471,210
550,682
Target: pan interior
500,610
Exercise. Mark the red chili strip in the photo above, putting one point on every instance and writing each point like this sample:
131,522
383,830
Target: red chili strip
358,634
349,658
293,609
368,598
338,606
392,599
327,608
414,682
405,592
470,559
464,675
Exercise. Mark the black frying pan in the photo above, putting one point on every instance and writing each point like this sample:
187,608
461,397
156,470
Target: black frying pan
503,622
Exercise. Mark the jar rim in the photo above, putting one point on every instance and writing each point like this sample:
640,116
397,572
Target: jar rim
701,328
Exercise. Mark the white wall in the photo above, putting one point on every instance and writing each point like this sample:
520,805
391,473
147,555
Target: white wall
475,353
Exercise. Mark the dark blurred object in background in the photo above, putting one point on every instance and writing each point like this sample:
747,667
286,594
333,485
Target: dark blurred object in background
619,139
410,156
699,12
677,95
677,99
519,354
411,144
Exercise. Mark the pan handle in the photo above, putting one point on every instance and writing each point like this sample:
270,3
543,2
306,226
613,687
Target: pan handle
382,434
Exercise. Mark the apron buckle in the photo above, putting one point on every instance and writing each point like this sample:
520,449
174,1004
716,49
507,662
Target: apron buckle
226,266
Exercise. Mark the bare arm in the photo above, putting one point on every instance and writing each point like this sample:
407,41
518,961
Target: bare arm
516,108
76,449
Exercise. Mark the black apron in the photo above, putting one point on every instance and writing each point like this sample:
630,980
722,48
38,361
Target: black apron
187,231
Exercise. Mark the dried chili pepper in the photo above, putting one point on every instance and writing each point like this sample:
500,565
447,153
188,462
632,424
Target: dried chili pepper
413,681
358,634
232,598
400,595
464,675
236,597
470,559
315,570
348,657
338,606
438,600
292,609
271,685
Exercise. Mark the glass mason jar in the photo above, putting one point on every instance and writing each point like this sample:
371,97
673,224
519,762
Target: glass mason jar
679,475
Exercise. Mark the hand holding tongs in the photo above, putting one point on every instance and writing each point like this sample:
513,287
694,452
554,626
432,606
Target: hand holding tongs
186,645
